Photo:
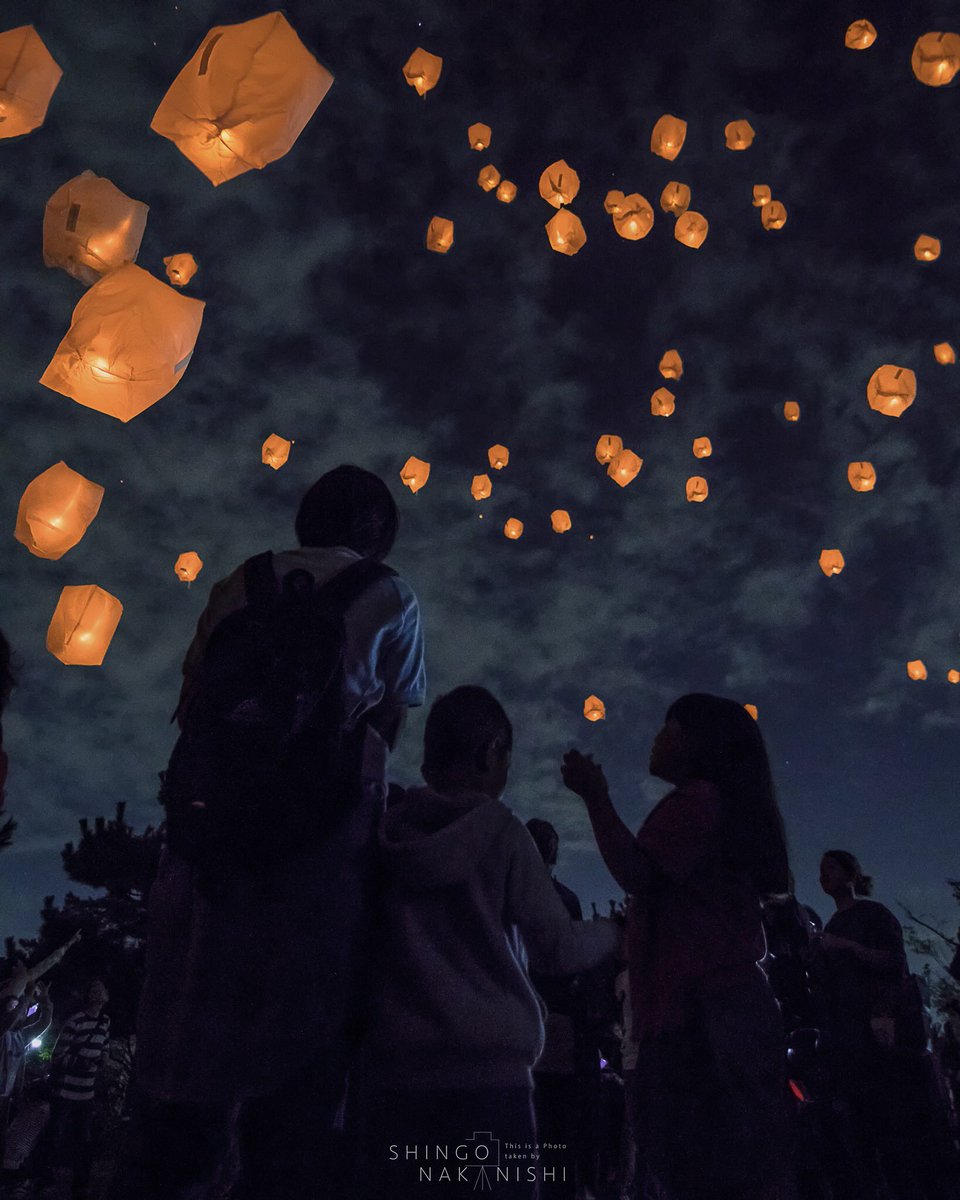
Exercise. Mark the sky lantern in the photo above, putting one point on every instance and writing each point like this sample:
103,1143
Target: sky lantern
671,364
55,511
90,227
944,353
275,451
481,487
559,184
513,529
594,709
243,98
414,473
953,676
675,198
831,562
635,220
936,58
926,248
624,467
697,489
181,268
439,234
489,177
608,447
761,195
83,625
739,135
668,136
773,215
862,476
28,78
860,35
691,229
479,136
565,232
560,521
498,456
188,566
663,402
891,390
613,202
752,710
129,343
422,70
791,410
917,669
702,447
506,192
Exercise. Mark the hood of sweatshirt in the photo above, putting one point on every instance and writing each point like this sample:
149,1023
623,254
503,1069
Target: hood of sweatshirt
429,841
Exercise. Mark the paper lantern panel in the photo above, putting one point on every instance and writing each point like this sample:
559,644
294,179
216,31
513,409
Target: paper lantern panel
559,184
773,215
926,248
936,58
275,451
422,70
90,227
498,456
594,709
560,521
28,78
513,529
697,489
860,35
188,566
953,675
56,510
761,195
506,192
671,365
691,229
702,447
488,178
862,476
481,488
608,447
625,467
479,135
739,135
917,669
831,562
83,625
791,410
565,232
635,219
415,473
944,353
439,235
613,202
181,268
675,198
668,136
663,402
891,390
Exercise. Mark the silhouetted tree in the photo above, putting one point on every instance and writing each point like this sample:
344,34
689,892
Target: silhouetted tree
938,948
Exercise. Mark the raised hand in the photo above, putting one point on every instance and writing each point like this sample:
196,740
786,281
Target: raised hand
583,776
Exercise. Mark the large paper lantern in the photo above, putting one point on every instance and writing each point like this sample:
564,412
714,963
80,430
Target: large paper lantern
129,343
498,456
926,248
831,562
90,227
917,669
862,476
414,473
608,447
188,566
791,410
697,489
936,58
513,529
439,234
663,402
506,191
761,195
559,184
675,198
944,353
613,202
489,177
691,229
594,709
891,390
668,136
671,364
739,135
479,136
635,219
565,232
55,511
28,78
243,98
181,268
773,214
481,488
624,467
83,625
275,451
702,447
422,70
860,35
560,521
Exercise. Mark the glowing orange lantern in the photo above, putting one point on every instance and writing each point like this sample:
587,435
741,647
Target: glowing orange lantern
662,402
28,78
831,562
181,268
479,136
860,35
891,390
943,352
90,227
613,202
275,451
761,195
752,710
129,343
691,229
560,521
422,70
55,511
243,99
439,235
489,177
953,676
507,192
668,136
559,184
791,410
624,467
513,528
594,709
671,365
936,58
926,249
917,669
188,566
415,473
565,232
83,625
481,487
697,489
675,198
498,456
862,476
608,447
635,220
702,447
773,215
739,135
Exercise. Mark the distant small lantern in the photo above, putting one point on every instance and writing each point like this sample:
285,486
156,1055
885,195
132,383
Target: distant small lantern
594,709
439,235
675,198
668,136
489,177
481,488
831,562
697,489
702,447
28,78
936,58
498,456
90,227
513,529
926,248
953,676
243,98
891,390
917,669
507,192
944,353
860,35
752,710
479,136
188,566
862,476
275,451
613,202
56,510
83,625
671,365
565,232
663,402
739,135
422,70
560,521
624,467
791,410
773,215
181,268
761,195
559,184
414,473
691,229
608,447
635,220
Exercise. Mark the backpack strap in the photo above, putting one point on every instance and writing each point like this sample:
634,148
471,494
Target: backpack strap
350,583
260,581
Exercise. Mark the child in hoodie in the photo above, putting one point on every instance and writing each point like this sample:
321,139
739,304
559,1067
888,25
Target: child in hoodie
455,1025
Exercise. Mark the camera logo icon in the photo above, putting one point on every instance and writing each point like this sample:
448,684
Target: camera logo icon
482,1149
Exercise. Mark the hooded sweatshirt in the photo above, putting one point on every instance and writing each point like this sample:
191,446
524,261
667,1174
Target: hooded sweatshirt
466,902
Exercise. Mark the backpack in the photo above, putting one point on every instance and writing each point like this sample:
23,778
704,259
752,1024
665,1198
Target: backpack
264,766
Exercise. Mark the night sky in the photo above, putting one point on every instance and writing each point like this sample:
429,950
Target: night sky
327,321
